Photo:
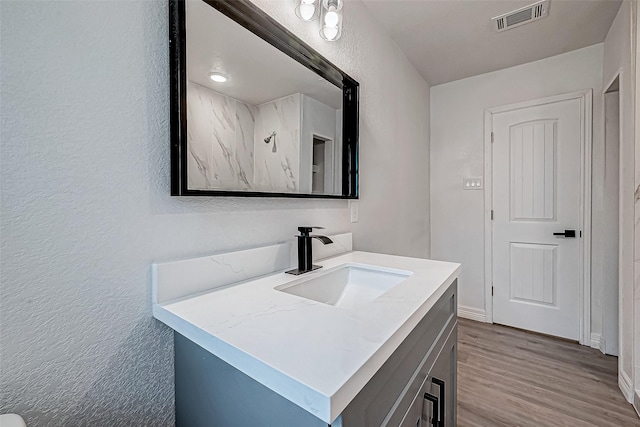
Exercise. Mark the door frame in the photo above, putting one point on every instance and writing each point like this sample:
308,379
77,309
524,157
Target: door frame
586,119
621,264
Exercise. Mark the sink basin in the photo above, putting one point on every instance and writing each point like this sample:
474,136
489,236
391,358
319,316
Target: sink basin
346,285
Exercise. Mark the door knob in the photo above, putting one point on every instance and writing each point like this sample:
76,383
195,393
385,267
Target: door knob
567,233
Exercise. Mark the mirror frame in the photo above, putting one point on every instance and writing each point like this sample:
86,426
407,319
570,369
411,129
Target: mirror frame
249,16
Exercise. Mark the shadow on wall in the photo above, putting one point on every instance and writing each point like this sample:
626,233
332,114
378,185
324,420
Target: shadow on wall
134,388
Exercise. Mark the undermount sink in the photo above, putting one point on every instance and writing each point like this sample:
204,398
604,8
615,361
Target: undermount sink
346,285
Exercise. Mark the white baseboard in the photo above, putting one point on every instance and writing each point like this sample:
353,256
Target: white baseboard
472,313
597,341
624,382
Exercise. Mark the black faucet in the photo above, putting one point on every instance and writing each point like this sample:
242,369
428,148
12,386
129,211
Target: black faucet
305,257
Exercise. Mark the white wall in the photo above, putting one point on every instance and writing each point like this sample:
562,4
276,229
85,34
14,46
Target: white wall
636,309
618,59
318,119
86,206
457,151
611,223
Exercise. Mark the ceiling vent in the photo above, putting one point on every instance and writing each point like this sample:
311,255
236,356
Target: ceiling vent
521,16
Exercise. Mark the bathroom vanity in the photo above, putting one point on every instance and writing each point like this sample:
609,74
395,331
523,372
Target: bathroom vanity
367,340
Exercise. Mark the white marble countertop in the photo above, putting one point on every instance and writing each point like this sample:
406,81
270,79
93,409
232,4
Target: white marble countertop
315,355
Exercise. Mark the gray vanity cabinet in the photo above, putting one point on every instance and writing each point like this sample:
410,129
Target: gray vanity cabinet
210,392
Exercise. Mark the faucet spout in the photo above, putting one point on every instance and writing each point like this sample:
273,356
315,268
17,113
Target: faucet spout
324,239
305,256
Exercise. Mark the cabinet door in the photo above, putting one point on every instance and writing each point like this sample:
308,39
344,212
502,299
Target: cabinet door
415,415
441,382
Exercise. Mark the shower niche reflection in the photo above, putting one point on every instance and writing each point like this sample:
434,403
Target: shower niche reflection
260,113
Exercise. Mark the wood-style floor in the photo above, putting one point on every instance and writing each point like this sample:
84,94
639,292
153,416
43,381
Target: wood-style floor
509,377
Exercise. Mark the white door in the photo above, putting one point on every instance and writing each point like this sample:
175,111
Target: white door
536,193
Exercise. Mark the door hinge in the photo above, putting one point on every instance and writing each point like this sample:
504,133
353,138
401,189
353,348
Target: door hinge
491,214
580,233
492,137
492,291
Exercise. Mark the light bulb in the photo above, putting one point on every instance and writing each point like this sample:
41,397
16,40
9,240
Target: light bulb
330,33
307,10
331,19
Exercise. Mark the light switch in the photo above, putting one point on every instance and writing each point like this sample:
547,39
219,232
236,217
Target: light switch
472,183
354,211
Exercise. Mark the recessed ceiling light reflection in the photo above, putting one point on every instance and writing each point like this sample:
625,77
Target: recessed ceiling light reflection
218,77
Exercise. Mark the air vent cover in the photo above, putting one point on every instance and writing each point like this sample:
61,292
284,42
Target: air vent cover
521,16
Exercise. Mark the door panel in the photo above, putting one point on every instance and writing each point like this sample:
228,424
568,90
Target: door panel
536,193
533,272
532,171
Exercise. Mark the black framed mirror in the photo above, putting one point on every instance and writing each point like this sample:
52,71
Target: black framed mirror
255,111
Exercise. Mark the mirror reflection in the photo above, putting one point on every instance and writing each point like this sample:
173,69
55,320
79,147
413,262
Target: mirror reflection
257,120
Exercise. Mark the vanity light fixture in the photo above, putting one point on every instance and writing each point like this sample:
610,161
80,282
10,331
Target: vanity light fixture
308,10
331,19
218,77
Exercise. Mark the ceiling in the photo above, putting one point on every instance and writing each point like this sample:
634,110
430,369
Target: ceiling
449,40
257,71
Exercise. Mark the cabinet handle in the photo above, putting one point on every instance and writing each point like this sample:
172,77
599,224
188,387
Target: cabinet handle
440,384
434,402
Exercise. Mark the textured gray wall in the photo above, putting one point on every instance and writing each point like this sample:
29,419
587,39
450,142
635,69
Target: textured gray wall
85,205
